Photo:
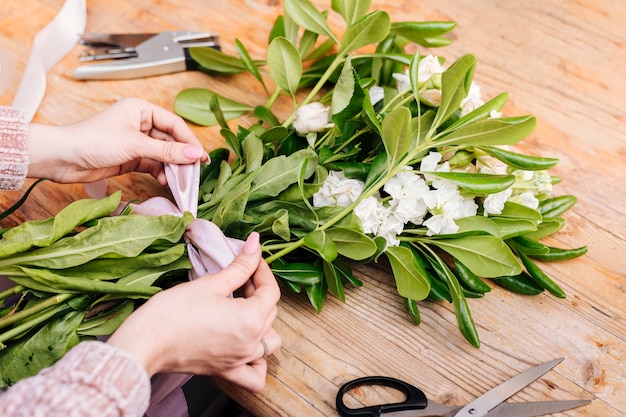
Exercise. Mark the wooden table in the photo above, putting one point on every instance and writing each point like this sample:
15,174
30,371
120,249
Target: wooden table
561,61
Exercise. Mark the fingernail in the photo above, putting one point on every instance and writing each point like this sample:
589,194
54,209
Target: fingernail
252,243
193,152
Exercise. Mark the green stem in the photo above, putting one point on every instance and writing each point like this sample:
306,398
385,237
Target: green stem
34,309
320,83
11,291
18,330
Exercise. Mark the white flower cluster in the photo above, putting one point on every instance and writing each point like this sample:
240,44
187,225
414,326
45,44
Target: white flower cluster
412,198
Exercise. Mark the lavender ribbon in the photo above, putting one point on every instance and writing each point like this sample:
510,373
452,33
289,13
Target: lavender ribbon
209,251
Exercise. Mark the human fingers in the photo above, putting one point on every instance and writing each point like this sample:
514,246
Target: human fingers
156,120
268,345
250,376
235,275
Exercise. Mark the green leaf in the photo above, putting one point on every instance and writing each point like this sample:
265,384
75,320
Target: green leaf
333,281
285,65
252,152
372,29
351,243
455,84
39,350
480,113
248,63
411,281
298,272
305,14
106,323
112,237
347,97
480,184
233,206
43,233
350,10
318,241
545,228
477,224
428,34
554,207
520,161
486,256
509,227
280,172
396,134
502,131
194,104
216,62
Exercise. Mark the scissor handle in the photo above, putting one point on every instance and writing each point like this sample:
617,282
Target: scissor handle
415,398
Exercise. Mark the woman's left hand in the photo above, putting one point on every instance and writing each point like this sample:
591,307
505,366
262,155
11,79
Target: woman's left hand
131,135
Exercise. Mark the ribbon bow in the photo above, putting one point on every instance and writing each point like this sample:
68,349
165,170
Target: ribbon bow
209,251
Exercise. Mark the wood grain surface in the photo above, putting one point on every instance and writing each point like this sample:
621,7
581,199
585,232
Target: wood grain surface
562,61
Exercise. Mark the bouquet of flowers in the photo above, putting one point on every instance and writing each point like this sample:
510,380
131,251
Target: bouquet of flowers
388,155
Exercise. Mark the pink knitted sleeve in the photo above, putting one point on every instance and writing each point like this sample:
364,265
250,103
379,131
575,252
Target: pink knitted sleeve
13,148
91,380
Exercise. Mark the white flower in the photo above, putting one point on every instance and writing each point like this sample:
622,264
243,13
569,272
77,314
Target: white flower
495,114
494,203
406,190
312,117
376,94
446,204
430,163
390,228
370,211
527,199
427,67
338,190
403,82
473,99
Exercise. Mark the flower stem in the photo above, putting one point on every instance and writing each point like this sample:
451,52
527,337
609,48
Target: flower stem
34,309
29,324
16,289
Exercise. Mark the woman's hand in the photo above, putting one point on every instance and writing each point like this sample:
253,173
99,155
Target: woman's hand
131,135
198,328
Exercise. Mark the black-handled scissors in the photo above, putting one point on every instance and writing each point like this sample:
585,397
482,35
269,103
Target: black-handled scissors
490,404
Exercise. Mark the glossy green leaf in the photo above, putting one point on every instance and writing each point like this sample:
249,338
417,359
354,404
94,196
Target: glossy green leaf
333,281
455,84
347,97
194,105
43,233
554,207
252,148
298,272
371,29
509,227
321,243
106,323
411,281
216,62
280,172
396,134
351,10
503,131
485,256
248,63
520,161
305,14
39,350
480,184
428,34
351,243
285,65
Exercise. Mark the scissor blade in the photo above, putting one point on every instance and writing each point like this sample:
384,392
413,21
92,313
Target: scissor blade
114,39
489,400
533,409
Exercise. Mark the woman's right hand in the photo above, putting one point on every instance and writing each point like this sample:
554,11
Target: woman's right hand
198,328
